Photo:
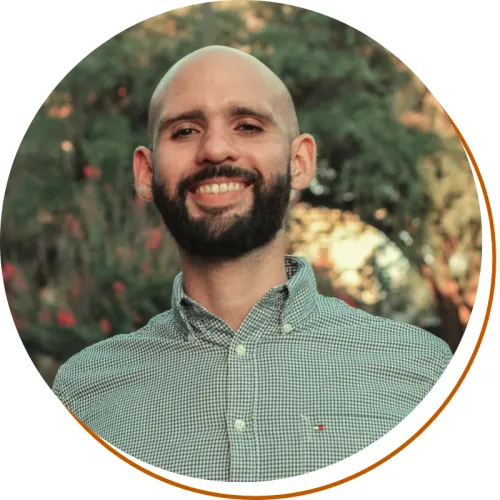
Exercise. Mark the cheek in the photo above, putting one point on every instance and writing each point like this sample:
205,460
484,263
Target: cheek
271,161
169,170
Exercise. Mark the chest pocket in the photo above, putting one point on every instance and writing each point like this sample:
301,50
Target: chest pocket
329,438
291,445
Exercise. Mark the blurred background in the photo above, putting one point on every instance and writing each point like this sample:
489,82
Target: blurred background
391,223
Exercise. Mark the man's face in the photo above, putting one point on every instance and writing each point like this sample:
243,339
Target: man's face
221,162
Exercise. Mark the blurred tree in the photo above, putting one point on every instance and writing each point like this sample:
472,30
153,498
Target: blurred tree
381,153
84,240
450,258
395,174
344,86
208,24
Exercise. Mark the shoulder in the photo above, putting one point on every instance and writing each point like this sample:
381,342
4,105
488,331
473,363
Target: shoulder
359,330
103,360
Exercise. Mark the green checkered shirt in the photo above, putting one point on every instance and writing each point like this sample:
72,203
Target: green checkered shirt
305,382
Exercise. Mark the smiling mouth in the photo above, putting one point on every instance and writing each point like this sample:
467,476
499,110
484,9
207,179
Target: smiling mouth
216,188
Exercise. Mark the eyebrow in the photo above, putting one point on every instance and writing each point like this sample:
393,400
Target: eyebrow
194,114
248,111
199,114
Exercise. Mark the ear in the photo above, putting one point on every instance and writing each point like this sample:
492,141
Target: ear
303,161
143,172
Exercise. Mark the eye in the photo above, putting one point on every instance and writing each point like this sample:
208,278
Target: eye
250,127
183,132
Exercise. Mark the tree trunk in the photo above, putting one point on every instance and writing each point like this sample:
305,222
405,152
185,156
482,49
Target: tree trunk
451,329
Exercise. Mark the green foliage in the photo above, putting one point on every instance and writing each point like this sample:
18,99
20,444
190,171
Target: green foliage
70,221
344,86
103,274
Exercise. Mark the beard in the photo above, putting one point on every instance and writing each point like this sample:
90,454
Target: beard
225,236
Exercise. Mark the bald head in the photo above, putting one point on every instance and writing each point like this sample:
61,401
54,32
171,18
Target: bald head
205,66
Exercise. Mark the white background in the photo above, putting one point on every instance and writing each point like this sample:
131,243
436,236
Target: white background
452,46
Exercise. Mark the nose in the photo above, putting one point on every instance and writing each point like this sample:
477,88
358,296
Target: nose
216,147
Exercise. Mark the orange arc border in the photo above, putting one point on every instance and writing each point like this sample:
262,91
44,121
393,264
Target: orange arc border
402,446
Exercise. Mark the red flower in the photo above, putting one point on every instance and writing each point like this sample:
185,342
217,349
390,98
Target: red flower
8,271
154,240
74,227
65,319
119,288
105,325
92,173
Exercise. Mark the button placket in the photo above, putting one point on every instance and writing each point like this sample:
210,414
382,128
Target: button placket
243,385
241,407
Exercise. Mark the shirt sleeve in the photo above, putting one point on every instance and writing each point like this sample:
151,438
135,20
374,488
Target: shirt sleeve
58,387
445,358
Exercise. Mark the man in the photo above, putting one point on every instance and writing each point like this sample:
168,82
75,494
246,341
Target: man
252,375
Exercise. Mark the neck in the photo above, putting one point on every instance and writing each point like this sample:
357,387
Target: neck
230,288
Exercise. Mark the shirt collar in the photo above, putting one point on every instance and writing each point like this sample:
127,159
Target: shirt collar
297,298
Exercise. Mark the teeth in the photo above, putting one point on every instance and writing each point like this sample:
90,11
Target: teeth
219,188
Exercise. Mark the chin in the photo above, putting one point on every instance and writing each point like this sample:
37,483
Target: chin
225,212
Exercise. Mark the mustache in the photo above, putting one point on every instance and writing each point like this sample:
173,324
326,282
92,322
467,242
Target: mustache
213,171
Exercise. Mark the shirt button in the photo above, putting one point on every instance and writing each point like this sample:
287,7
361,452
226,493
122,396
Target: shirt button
287,328
241,350
240,425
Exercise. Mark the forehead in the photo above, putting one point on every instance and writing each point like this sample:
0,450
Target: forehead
215,84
